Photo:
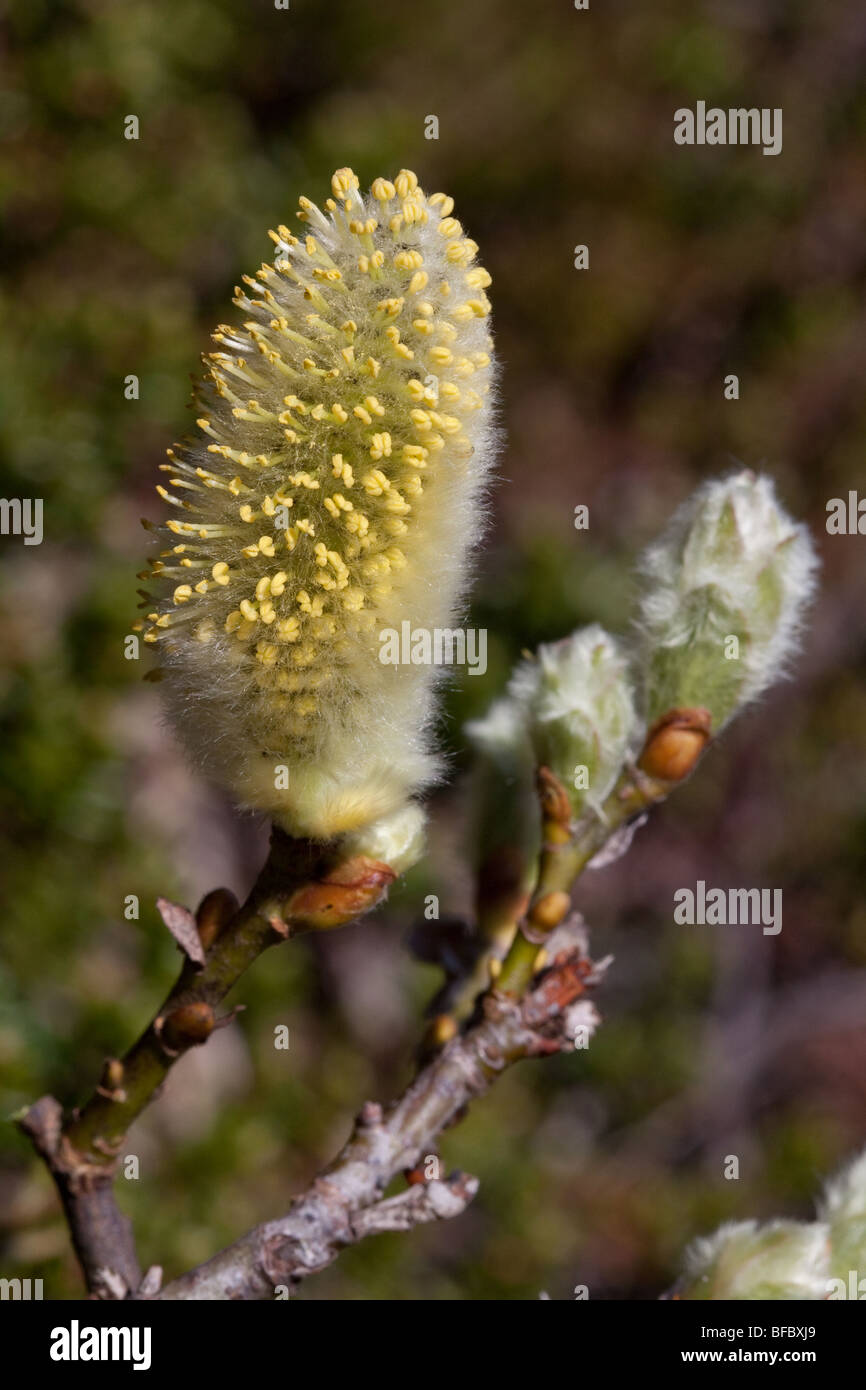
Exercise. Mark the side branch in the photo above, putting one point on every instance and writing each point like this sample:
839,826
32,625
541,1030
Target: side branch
303,886
345,1202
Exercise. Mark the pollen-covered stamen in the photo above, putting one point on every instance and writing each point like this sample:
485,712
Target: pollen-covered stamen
334,423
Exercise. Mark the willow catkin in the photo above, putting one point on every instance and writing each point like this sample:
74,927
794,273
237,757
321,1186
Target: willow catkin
333,493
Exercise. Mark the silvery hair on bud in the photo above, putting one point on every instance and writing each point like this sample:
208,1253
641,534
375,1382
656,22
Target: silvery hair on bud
731,551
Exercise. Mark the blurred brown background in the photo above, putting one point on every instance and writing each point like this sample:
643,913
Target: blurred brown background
556,128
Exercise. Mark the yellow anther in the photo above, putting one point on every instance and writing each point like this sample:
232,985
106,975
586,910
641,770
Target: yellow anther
373,405
248,610
479,278
278,583
442,203
382,190
266,545
449,227
459,253
233,621
408,260
182,594
405,183
414,454
418,282
380,446
397,504
343,182
363,414
263,587
375,483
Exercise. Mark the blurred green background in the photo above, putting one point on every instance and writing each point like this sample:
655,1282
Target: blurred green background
119,257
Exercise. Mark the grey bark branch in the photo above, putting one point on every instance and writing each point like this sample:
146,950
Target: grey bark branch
345,1203
101,1235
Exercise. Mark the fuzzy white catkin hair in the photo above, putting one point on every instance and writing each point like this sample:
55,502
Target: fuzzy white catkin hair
334,492
578,709
843,1208
732,563
744,1260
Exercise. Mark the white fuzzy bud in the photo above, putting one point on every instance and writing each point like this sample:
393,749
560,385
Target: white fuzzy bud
725,590
579,711
743,1261
396,840
843,1208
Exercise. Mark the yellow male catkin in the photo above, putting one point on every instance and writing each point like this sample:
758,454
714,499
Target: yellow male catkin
333,492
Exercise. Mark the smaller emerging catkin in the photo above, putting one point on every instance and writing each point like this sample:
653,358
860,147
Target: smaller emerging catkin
742,1260
843,1209
579,712
724,591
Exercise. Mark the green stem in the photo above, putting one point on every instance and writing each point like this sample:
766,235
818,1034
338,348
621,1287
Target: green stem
560,865
97,1131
